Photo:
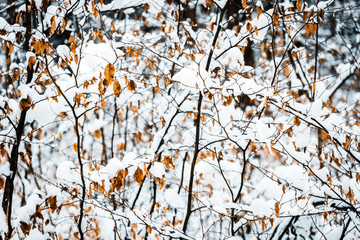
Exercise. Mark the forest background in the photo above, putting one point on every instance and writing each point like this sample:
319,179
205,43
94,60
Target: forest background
196,119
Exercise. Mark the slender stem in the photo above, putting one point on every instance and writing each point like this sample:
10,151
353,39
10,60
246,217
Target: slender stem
14,156
316,57
198,123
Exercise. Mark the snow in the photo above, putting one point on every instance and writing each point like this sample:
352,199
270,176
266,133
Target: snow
173,199
221,3
3,227
283,161
23,213
262,23
158,170
324,4
63,51
114,166
67,171
37,113
38,3
3,23
260,207
194,77
120,4
5,168
35,234
293,175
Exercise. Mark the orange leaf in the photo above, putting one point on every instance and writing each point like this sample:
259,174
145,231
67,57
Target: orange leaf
75,147
296,121
117,88
276,18
132,85
277,209
258,11
52,203
146,6
99,35
2,183
25,103
168,162
243,4
97,134
325,215
53,25
31,62
263,46
138,175
287,70
347,142
109,72
299,5
237,29
158,16
271,221
11,47
25,228
212,24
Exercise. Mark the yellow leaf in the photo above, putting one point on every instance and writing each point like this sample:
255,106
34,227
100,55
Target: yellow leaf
148,229
277,209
